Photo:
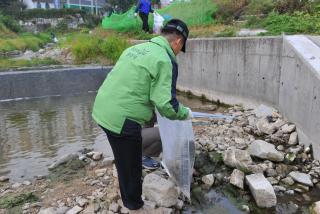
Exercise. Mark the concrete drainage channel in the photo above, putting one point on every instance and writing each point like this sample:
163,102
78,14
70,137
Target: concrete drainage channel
276,71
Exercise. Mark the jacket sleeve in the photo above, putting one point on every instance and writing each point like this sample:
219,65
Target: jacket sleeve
163,94
138,6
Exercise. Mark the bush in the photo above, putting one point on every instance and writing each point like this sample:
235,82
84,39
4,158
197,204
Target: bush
256,7
113,47
298,22
49,13
10,23
229,9
291,6
86,47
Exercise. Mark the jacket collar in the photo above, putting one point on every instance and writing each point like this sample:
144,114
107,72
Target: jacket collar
163,42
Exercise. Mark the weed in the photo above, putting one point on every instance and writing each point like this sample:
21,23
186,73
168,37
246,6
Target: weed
9,202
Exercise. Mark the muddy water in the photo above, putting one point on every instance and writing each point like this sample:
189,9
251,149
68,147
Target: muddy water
35,132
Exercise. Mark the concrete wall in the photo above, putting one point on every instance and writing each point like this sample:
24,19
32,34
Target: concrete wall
233,70
280,72
22,84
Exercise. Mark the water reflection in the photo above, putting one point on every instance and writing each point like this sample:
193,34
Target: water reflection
35,132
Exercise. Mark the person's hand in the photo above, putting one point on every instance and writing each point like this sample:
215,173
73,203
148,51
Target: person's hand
135,14
190,116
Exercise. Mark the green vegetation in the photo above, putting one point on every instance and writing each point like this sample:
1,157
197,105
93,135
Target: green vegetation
196,12
14,203
23,42
11,63
93,48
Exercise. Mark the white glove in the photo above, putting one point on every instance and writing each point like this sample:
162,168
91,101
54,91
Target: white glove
135,14
190,116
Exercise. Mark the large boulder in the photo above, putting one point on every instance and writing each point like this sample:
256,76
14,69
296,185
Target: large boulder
302,178
237,158
264,150
264,126
261,190
160,190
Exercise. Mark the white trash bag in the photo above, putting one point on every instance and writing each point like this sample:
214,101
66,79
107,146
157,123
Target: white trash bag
157,22
178,151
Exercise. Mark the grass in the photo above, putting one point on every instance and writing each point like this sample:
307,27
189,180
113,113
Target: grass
23,42
11,63
14,203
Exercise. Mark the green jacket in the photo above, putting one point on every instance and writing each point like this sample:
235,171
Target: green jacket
143,78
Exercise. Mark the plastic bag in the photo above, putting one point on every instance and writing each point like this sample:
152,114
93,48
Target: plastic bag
157,22
178,151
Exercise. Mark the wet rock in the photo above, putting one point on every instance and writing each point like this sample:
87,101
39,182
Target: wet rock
245,208
208,180
4,178
301,188
301,178
261,190
287,181
293,140
264,126
236,158
108,161
271,172
160,190
64,159
264,150
272,180
288,128
237,178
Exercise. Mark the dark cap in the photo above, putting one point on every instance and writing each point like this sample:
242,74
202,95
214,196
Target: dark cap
180,27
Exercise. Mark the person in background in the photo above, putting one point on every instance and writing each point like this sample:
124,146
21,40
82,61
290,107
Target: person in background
144,8
143,79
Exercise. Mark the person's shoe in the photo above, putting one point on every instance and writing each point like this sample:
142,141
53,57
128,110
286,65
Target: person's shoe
149,163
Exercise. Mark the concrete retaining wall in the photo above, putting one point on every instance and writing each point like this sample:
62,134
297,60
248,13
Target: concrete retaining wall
22,84
280,72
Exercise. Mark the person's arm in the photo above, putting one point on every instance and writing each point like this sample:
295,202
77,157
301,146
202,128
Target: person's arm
163,94
138,6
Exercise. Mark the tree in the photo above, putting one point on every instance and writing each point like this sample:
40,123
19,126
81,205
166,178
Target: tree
11,7
122,6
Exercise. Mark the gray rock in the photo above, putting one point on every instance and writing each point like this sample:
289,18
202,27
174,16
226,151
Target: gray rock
26,183
16,185
108,161
295,150
236,158
4,178
237,178
263,111
289,192
160,190
64,159
279,123
290,157
271,172
89,209
261,190
265,127
272,180
293,140
114,207
264,150
288,128
288,181
49,210
82,202
280,147
250,32
245,208
279,188
301,178
208,180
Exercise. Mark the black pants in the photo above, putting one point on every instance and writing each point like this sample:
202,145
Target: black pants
144,18
127,151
